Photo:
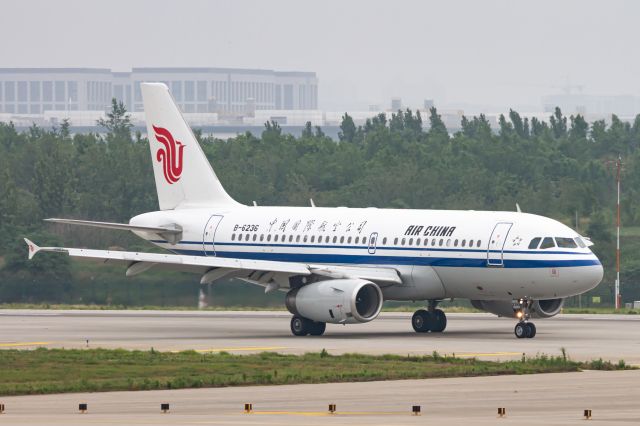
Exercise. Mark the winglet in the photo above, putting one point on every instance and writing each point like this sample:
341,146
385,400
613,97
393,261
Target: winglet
33,248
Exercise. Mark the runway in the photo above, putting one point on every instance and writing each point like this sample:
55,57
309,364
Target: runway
550,399
585,337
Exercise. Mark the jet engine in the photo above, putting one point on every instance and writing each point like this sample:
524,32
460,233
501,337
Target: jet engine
544,308
339,301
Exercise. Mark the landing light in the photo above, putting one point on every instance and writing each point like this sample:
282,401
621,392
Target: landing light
519,314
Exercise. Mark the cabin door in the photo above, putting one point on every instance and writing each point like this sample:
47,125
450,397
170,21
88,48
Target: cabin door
373,241
497,241
208,236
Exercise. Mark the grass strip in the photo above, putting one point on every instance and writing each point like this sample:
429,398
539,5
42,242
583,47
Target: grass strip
43,371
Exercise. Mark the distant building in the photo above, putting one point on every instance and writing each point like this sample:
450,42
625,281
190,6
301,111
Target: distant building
396,104
593,105
428,104
227,91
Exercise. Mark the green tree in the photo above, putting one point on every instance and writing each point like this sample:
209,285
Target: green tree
118,122
347,129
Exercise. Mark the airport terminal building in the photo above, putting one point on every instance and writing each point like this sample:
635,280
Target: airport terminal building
225,91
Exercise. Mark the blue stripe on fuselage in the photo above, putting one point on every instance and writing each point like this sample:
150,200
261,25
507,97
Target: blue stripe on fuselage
409,248
393,260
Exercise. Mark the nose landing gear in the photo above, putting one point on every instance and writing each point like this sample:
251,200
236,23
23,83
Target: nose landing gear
524,328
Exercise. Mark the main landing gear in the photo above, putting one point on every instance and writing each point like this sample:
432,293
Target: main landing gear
431,319
301,326
524,328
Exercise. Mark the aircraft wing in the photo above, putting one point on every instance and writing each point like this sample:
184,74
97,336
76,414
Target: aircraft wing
261,272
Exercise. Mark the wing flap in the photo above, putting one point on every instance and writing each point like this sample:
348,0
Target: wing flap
176,259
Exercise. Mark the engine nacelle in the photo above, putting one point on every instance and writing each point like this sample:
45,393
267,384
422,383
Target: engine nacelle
545,308
339,301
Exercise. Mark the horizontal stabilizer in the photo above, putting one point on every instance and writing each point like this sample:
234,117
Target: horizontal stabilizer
172,232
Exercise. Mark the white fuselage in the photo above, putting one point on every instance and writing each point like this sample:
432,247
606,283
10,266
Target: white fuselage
439,254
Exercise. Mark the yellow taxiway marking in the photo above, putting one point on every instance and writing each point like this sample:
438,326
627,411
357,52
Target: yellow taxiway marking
478,354
238,349
326,413
17,344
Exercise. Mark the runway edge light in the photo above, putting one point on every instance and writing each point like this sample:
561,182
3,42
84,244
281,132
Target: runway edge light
415,410
587,414
502,412
82,407
164,407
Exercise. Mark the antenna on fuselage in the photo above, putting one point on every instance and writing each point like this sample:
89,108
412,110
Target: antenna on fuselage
517,208
255,204
312,203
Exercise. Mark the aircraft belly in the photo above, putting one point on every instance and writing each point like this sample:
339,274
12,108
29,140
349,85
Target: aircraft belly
510,283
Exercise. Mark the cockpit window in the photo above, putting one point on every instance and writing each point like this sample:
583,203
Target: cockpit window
580,243
534,243
566,242
547,243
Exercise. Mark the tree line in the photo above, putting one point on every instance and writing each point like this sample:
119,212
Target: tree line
558,168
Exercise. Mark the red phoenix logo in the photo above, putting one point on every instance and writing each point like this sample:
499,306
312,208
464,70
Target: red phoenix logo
170,155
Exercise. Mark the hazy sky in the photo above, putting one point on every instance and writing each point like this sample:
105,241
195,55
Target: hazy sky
496,53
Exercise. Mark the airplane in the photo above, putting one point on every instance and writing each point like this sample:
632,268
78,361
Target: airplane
338,265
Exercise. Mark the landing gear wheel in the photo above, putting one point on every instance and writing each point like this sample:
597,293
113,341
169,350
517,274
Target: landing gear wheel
439,321
532,330
317,328
300,326
421,321
521,330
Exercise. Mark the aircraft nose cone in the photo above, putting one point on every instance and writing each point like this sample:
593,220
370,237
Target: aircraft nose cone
593,276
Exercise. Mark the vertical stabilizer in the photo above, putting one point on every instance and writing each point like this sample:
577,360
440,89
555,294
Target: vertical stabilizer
184,177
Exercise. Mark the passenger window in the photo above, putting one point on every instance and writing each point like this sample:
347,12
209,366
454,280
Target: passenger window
357,240
478,243
364,240
403,241
547,243
290,238
335,239
275,238
534,243
384,241
441,242
410,241
581,243
313,238
426,242
233,237
342,240
395,241
349,240
470,243
269,237
455,243
448,242
433,242
246,237
255,236
297,238
304,240
566,242
327,239
418,242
